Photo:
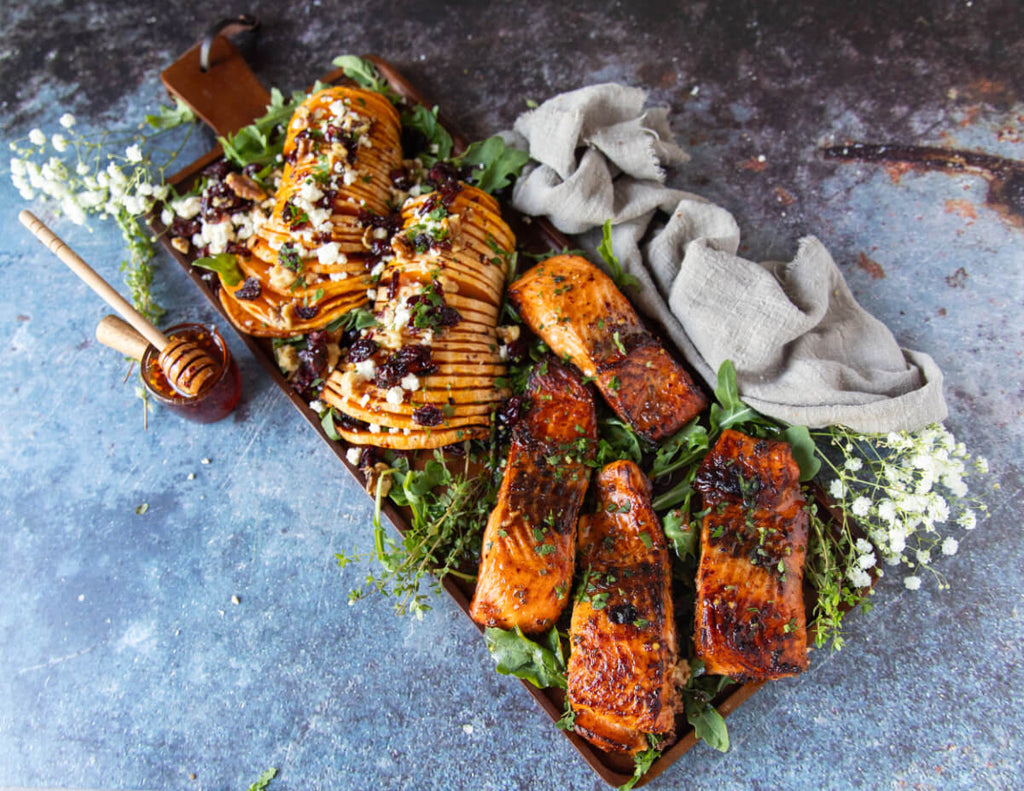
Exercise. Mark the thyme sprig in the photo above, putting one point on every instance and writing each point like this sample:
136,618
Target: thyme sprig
449,509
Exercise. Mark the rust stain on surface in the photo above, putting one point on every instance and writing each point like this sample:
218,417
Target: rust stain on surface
957,279
785,197
1005,177
961,208
871,266
755,164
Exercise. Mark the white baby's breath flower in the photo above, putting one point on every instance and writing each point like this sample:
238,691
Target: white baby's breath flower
981,465
37,138
853,463
837,489
867,561
67,120
950,545
968,520
863,546
913,582
887,511
861,506
59,143
923,556
17,166
133,153
858,577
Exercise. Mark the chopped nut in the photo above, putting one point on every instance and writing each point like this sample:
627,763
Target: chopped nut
181,244
245,187
508,333
373,475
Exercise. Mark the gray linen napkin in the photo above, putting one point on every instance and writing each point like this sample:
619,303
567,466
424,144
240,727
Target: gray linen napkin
805,352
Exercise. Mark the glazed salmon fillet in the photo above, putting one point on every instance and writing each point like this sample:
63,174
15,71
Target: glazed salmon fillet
623,635
529,544
750,622
580,313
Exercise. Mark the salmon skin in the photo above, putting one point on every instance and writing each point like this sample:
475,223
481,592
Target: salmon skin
623,634
579,312
750,622
529,544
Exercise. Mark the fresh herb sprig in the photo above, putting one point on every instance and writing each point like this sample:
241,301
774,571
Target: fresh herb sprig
449,510
619,276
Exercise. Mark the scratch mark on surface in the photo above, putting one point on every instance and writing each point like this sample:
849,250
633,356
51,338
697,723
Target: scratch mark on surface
56,661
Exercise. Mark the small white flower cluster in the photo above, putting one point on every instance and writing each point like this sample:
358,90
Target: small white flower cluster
95,184
900,488
80,177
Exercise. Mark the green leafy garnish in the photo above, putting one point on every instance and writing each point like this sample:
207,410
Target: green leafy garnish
364,73
805,452
170,117
263,781
519,656
642,762
449,510
263,140
698,695
682,448
493,164
621,278
225,265
425,121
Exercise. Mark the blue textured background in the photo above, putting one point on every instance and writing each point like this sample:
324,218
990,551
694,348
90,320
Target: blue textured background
123,661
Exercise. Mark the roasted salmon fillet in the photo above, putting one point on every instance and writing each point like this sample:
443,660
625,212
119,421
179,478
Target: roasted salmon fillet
750,622
580,313
623,635
529,544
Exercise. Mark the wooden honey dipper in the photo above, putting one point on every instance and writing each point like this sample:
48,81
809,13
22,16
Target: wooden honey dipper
189,369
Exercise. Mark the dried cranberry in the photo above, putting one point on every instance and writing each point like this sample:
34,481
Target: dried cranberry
512,409
217,171
393,286
186,229
362,349
518,349
327,201
427,415
219,200
312,361
306,311
400,179
447,316
251,289
407,360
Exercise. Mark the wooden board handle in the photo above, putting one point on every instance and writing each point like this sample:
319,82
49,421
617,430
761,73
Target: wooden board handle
227,96
118,334
88,275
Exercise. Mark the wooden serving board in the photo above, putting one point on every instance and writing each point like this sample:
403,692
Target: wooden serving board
227,97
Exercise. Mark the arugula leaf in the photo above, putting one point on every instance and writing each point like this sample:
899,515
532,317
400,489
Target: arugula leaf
327,424
616,440
493,164
225,265
642,762
707,724
262,141
680,532
364,73
805,452
621,278
519,656
264,780
684,447
355,319
170,117
439,142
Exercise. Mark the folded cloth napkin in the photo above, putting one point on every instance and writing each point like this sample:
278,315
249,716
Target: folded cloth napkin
805,352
